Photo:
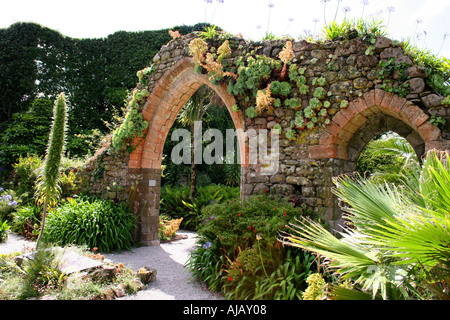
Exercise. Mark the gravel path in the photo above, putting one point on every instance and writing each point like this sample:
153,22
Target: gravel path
172,279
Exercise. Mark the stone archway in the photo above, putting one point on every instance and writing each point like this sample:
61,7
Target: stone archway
353,127
169,95
308,159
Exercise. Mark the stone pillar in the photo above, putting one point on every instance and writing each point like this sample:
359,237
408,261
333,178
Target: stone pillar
148,197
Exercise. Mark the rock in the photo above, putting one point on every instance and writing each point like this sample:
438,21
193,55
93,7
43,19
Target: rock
416,72
366,61
382,42
108,294
432,100
298,181
271,124
360,83
346,48
417,85
104,273
146,275
392,52
119,291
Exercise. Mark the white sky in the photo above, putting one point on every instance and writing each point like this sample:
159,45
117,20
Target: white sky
99,18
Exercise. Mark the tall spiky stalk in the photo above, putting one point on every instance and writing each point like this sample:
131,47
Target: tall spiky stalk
47,187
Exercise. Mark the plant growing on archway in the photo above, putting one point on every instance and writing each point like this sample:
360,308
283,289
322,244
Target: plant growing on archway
48,184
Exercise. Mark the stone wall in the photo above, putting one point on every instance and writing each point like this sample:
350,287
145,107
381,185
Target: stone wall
400,101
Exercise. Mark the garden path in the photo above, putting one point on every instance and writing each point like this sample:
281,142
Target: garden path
172,280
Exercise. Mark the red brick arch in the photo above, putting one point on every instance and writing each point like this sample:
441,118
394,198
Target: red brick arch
163,104
334,140
165,101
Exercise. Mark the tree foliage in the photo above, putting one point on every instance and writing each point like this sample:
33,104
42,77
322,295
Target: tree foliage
96,75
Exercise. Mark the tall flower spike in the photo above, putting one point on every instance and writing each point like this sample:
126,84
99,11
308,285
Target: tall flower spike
286,55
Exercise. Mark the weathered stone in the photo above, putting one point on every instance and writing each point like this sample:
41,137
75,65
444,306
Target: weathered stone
382,42
416,72
147,274
432,100
298,180
391,52
365,61
348,47
360,83
307,163
416,85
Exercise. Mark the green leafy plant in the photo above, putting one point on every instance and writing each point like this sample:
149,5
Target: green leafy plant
210,33
27,220
320,93
133,125
4,227
291,134
437,121
97,223
280,88
293,103
251,112
396,244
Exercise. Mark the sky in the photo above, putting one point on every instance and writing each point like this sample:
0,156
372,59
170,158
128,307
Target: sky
426,22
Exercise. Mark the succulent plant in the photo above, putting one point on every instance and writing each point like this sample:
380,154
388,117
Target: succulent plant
315,103
304,89
251,112
290,134
281,88
320,93
277,128
309,112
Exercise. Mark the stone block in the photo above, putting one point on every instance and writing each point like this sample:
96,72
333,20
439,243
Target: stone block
302,181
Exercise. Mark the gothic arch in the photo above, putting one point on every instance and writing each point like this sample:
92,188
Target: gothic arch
165,101
375,112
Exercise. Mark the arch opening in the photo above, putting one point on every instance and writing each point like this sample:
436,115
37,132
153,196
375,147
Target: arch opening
161,109
376,127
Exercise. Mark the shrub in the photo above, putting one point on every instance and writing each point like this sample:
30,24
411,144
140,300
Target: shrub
8,204
27,220
93,222
235,224
238,252
176,202
26,170
26,174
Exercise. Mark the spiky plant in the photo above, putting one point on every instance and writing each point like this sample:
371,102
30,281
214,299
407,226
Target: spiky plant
397,242
48,187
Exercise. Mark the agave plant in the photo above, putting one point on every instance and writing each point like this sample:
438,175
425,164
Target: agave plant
396,244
